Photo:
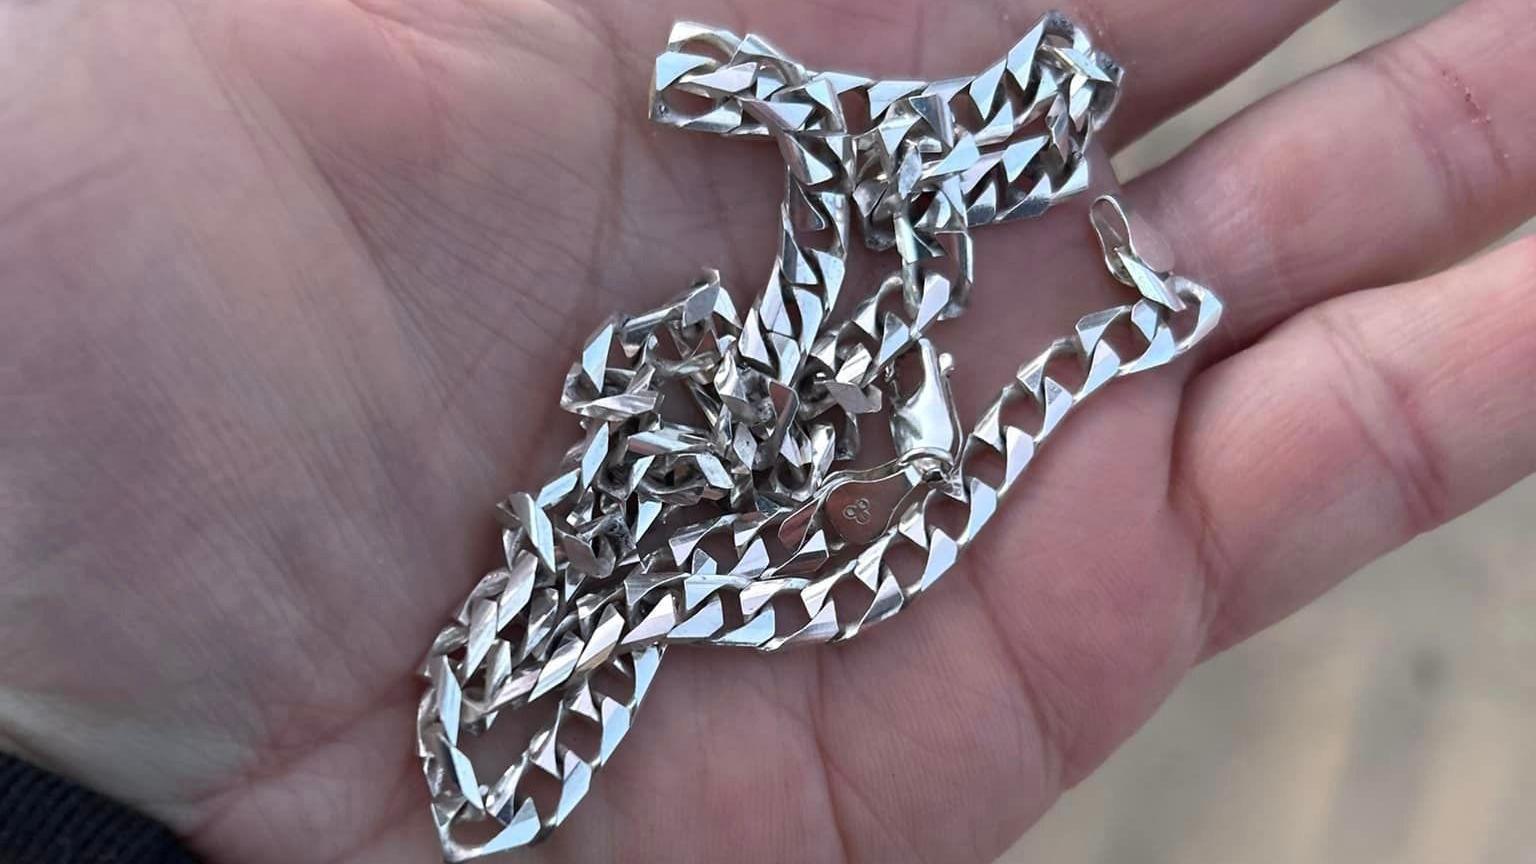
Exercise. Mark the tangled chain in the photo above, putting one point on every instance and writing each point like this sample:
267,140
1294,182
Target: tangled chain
746,522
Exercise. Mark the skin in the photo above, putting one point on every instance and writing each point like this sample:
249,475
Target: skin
289,287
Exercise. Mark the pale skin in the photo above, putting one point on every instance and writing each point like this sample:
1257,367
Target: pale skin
289,287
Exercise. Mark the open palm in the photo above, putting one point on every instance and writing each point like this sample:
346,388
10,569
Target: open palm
289,287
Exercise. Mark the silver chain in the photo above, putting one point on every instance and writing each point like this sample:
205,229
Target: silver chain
714,496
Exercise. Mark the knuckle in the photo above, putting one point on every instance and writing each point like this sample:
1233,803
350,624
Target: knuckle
1386,419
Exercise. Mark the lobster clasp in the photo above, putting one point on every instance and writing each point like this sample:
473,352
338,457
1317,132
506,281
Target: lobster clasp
924,425
860,505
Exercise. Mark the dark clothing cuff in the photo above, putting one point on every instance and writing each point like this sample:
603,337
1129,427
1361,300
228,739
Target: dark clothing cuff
45,819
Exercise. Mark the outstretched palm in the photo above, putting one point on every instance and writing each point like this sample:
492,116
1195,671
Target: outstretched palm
289,287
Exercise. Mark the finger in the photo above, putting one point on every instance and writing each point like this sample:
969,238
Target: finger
1176,53
1353,428
1385,167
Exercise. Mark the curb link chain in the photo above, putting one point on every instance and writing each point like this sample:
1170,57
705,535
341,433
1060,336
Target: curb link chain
749,527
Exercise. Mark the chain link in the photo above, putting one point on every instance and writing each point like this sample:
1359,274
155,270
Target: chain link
745,523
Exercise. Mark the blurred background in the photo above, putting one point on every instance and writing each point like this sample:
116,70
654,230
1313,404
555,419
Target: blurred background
1393,721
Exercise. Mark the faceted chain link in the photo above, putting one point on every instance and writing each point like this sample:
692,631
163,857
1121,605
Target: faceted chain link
741,520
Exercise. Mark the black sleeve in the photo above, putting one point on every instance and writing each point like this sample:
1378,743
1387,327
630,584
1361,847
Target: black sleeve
45,819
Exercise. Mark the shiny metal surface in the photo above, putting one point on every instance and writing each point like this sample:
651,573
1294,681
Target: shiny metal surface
744,520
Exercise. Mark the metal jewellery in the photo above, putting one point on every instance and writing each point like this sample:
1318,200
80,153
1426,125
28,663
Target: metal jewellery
714,496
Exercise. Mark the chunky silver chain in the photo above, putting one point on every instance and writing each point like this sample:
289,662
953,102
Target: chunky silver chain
717,495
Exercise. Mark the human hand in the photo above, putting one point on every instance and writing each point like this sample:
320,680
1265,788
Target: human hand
290,287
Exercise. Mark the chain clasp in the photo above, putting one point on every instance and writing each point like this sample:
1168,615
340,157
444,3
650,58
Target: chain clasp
1136,253
860,505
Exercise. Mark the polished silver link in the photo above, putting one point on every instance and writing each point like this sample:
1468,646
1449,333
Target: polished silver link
742,520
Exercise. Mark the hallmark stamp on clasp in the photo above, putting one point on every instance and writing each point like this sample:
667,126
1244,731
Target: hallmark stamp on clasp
858,511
